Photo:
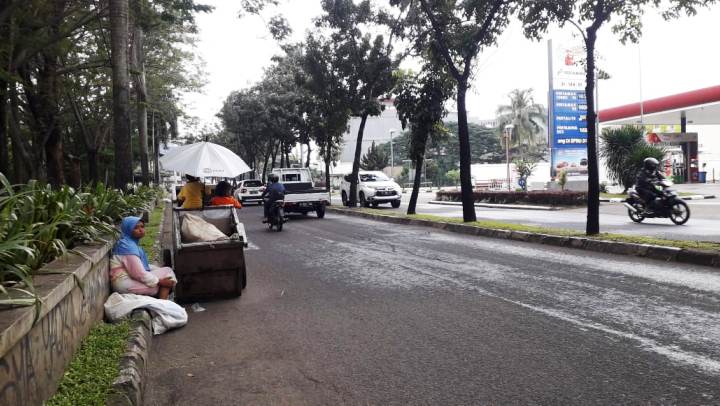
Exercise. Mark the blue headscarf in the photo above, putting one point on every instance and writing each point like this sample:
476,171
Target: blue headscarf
127,245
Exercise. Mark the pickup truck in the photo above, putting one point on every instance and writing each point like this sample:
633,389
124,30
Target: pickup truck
301,195
373,188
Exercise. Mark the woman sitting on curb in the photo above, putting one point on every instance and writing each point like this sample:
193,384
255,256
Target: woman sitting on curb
130,271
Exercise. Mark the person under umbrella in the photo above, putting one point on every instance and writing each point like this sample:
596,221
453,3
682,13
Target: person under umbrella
223,196
191,195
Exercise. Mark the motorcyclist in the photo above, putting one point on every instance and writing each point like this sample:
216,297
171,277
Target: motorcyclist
275,191
647,178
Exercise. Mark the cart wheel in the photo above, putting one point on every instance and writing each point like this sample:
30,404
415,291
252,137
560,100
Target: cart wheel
243,280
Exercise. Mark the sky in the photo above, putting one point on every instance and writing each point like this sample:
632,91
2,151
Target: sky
672,57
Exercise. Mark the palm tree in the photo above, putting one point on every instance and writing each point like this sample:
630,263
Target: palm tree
616,148
528,119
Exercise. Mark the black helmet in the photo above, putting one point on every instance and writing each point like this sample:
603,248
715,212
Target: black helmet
273,178
650,164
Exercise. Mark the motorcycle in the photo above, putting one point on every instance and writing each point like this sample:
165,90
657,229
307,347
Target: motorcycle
670,206
276,215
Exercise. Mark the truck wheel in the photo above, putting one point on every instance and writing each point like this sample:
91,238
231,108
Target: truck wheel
344,198
395,204
320,211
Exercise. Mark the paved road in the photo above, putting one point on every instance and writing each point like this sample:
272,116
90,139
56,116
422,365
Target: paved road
704,223
349,311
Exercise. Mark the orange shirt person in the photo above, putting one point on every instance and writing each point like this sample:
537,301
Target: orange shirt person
223,196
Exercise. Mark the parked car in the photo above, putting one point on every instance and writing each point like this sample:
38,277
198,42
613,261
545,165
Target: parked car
373,188
249,190
301,195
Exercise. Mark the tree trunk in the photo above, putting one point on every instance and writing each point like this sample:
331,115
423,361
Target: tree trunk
466,187
416,185
141,102
307,162
593,208
352,199
282,155
121,100
328,156
22,158
156,156
266,158
274,157
50,115
92,156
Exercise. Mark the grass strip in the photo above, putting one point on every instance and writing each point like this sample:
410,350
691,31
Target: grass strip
150,243
499,225
89,378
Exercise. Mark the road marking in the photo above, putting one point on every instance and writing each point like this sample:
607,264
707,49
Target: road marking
252,247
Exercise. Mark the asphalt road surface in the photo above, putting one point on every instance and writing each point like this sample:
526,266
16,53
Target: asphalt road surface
350,311
704,223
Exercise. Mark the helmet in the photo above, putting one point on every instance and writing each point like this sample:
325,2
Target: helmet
650,164
273,178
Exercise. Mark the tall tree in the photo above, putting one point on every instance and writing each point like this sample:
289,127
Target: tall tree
330,103
588,16
139,85
366,62
420,102
457,31
121,93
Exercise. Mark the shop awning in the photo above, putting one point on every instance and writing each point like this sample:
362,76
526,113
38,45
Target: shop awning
700,107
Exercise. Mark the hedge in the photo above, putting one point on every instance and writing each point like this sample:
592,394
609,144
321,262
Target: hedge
552,198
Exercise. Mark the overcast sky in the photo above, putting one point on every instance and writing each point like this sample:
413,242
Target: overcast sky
672,57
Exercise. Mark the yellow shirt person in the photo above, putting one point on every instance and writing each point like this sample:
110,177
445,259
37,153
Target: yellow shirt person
191,193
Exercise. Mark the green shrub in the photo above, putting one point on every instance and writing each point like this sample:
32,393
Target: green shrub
39,224
532,197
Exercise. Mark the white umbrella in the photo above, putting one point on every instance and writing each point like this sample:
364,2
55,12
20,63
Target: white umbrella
204,159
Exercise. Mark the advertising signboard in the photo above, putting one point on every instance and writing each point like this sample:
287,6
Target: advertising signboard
568,112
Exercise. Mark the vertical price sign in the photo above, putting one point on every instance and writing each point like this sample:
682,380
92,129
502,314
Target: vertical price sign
568,112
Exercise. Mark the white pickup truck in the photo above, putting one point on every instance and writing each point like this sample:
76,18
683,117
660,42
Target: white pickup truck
301,195
373,188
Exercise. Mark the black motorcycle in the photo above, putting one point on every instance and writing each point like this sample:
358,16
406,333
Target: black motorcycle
670,206
276,215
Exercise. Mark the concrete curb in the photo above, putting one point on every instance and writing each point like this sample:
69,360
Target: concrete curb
128,389
657,252
620,199
500,206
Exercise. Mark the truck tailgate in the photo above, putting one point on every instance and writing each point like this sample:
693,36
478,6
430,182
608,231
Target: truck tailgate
306,197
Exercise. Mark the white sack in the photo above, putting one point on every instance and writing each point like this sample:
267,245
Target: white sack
166,315
195,229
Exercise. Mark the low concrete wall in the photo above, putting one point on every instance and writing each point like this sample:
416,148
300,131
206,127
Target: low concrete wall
34,354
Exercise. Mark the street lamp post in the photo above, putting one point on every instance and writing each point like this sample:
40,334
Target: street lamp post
507,134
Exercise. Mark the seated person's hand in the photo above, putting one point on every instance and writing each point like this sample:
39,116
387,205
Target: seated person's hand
166,282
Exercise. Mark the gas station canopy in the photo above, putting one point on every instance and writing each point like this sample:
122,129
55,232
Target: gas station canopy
699,107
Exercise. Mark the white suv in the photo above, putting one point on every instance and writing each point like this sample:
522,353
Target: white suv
249,190
373,188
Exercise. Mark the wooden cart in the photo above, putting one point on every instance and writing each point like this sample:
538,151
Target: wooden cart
209,270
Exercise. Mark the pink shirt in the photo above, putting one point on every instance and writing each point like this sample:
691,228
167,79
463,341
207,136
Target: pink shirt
133,267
